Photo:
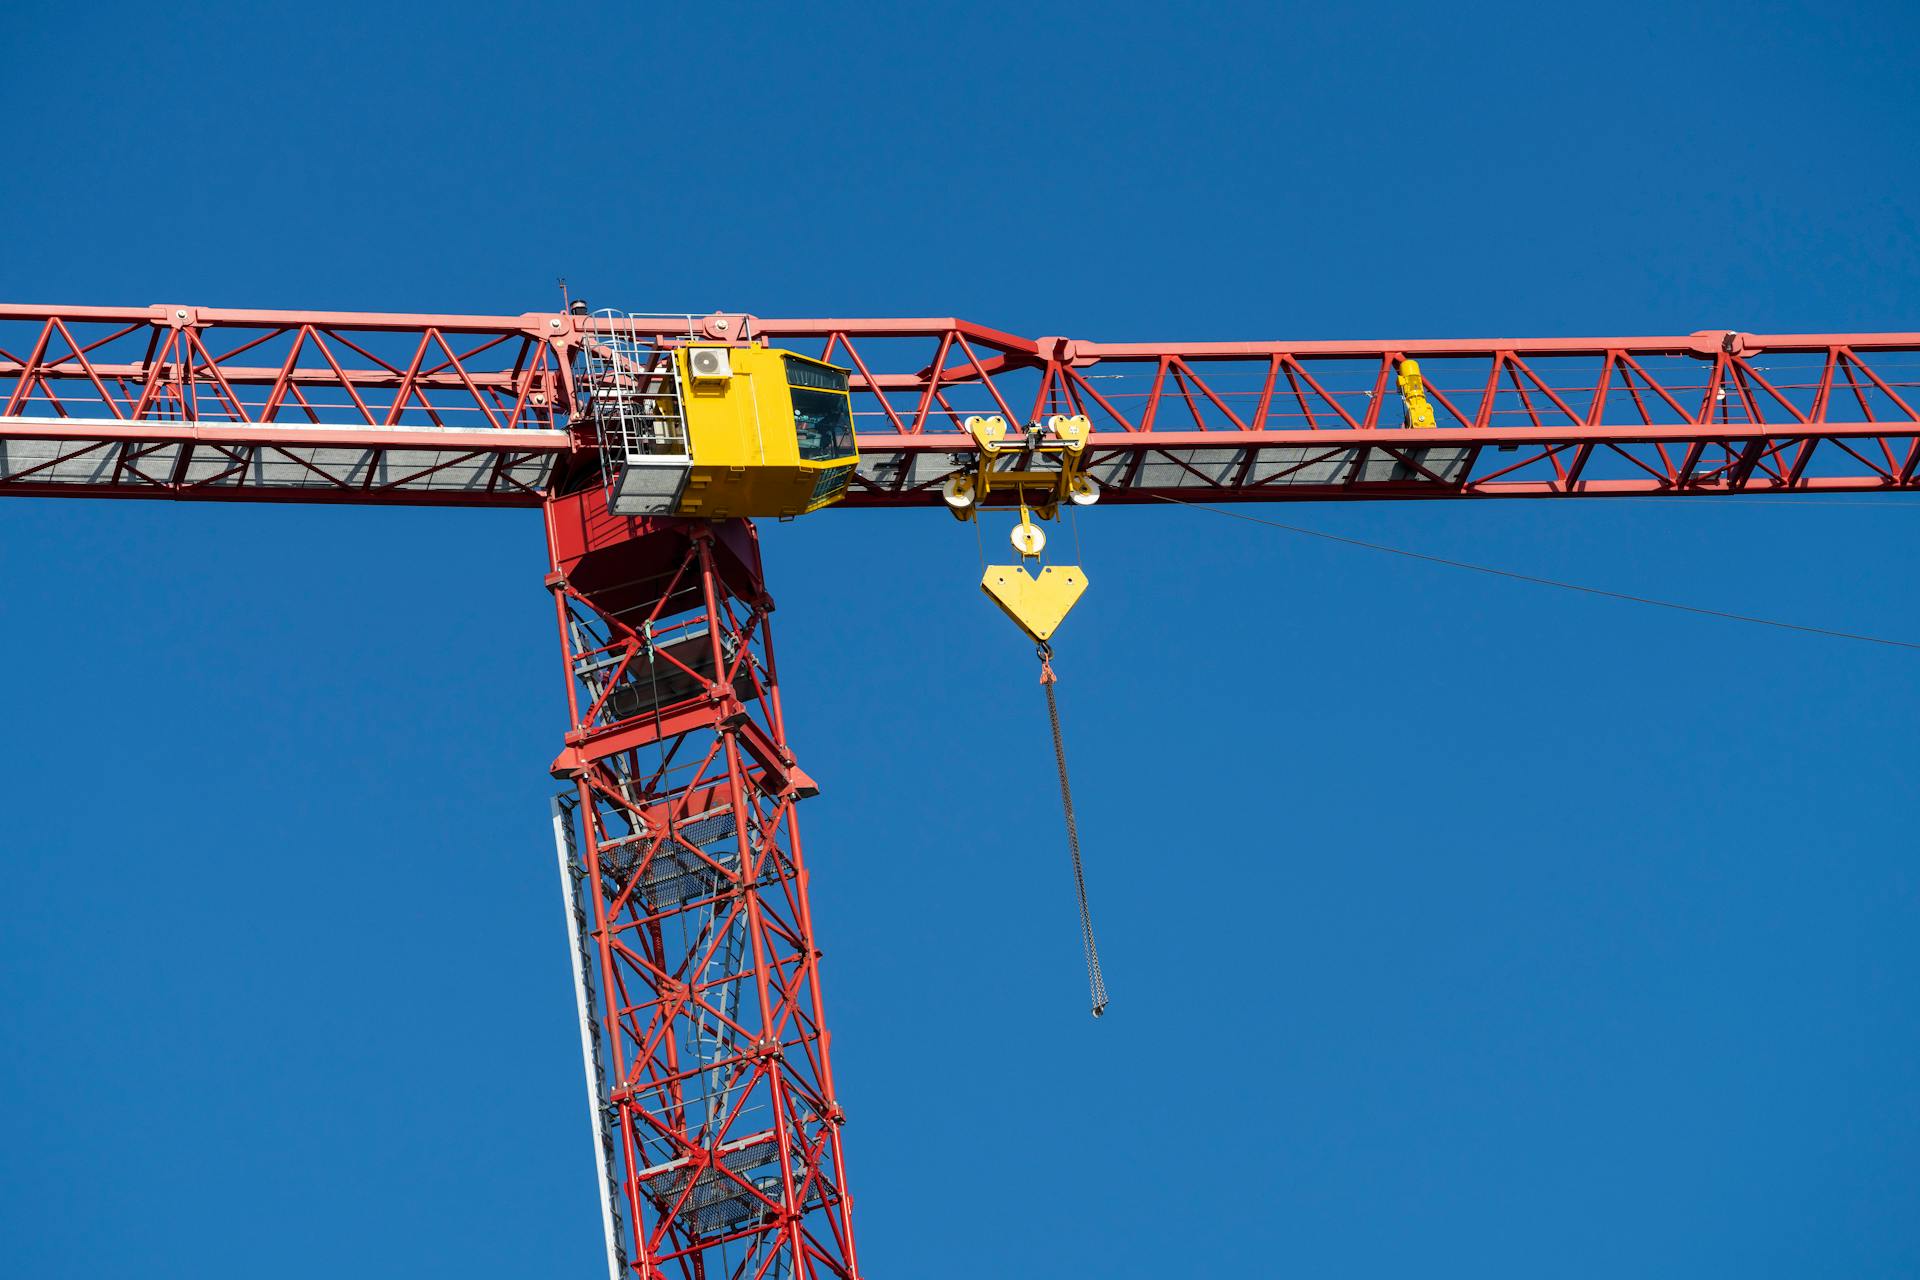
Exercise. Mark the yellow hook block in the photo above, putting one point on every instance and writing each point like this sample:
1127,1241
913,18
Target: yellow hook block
1039,605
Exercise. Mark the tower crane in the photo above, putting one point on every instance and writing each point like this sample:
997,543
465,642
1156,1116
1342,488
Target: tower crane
651,444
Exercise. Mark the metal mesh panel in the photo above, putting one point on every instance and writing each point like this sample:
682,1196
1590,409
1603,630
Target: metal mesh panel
718,1204
650,684
674,874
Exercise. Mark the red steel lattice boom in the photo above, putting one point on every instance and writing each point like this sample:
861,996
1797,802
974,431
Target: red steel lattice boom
477,410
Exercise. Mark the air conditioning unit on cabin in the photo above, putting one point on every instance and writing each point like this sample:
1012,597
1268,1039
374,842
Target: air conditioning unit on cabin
709,364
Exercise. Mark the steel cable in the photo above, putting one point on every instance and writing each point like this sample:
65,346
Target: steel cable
1537,581
1096,984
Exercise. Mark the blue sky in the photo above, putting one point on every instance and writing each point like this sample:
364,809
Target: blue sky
1454,926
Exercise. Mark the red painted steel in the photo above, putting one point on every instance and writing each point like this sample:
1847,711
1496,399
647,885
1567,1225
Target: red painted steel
192,402
725,1125
479,410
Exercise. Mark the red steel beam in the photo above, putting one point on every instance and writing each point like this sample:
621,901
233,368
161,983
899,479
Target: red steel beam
247,405
717,1111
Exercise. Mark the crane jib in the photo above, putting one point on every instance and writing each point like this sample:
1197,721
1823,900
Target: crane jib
201,403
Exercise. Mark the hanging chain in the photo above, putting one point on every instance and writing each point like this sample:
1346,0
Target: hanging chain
1097,986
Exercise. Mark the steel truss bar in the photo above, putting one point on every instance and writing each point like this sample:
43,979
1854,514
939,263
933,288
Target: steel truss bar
1715,412
725,1126
187,402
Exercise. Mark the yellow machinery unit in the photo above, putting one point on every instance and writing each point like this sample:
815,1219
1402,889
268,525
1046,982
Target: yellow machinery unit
711,431
1036,469
1416,409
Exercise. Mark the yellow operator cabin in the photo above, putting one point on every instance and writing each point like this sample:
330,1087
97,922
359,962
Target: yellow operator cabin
745,431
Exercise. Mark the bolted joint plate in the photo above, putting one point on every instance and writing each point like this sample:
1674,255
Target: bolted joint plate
1038,604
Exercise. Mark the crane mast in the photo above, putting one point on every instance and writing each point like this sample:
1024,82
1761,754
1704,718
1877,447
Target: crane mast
718,1107
718,1125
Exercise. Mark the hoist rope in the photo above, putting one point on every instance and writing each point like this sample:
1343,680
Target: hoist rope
1096,984
1548,582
